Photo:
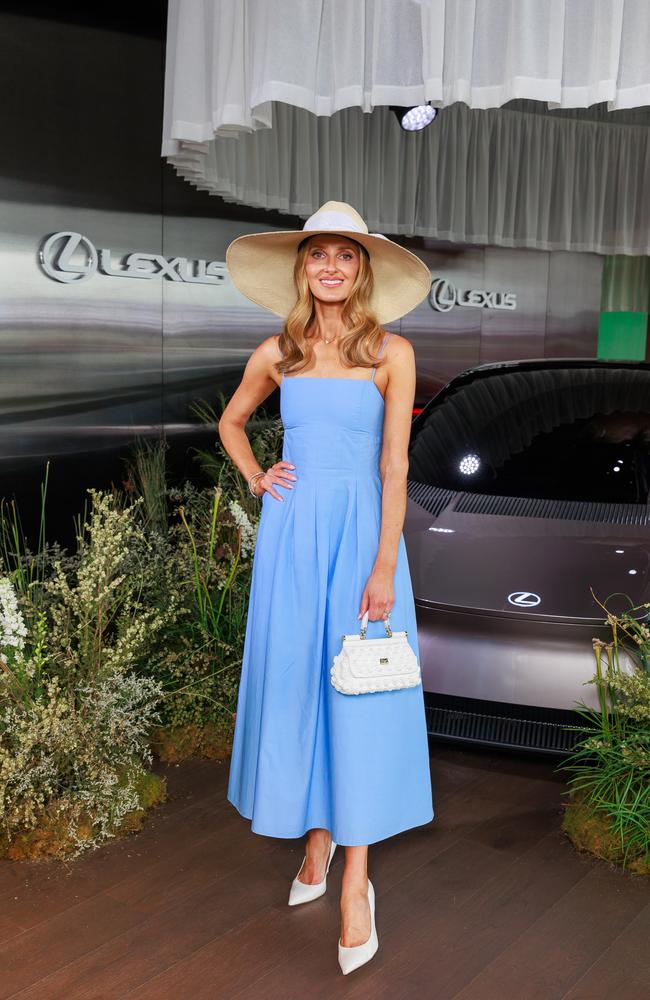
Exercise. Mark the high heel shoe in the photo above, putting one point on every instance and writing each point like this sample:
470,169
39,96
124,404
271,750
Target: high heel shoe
351,958
302,892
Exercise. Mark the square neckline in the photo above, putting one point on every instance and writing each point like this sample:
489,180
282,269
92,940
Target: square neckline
330,378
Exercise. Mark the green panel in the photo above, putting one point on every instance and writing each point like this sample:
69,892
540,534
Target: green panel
626,284
622,335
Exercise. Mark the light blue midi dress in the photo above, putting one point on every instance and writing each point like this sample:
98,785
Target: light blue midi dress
305,755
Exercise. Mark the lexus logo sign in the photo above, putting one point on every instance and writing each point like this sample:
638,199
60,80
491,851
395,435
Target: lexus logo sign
56,257
71,257
524,599
443,296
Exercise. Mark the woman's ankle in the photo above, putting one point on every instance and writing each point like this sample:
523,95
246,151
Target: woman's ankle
354,884
318,838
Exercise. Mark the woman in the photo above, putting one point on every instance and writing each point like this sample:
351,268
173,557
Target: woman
307,758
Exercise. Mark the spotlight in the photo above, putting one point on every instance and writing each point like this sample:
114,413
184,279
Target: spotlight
469,465
416,118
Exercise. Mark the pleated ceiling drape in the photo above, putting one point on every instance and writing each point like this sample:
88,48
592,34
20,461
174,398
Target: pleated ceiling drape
506,178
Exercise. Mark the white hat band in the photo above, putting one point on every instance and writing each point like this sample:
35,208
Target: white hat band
333,220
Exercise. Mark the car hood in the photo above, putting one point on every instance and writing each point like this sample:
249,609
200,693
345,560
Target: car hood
525,566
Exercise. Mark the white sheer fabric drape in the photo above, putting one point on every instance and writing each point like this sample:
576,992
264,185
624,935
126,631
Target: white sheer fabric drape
507,178
227,60
267,101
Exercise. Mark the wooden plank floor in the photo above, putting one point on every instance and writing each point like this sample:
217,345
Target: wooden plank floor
490,900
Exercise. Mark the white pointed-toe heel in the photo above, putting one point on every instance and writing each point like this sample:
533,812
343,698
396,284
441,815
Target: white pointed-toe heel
301,892
351,958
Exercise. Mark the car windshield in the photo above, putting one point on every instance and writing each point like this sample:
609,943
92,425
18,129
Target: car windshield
556,433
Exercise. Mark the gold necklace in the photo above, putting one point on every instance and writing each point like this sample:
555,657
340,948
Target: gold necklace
330,341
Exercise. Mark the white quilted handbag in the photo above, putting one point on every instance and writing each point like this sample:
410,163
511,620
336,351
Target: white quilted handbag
366,665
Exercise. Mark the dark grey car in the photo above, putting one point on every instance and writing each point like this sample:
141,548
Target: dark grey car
529,486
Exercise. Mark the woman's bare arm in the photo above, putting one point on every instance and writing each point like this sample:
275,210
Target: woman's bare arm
393,466
256,385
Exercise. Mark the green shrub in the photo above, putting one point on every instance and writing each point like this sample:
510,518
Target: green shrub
610,766
202,559
208,551
131,642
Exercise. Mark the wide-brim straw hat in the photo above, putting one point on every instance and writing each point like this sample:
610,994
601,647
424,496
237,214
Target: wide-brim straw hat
261,264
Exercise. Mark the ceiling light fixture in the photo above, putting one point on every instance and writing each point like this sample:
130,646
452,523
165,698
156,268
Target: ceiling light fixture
416,118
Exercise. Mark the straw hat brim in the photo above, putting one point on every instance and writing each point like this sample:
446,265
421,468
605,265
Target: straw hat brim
261,267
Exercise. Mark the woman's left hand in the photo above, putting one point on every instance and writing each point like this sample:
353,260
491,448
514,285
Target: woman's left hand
378,596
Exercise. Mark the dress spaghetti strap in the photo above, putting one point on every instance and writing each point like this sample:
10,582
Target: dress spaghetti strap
282,357
372,379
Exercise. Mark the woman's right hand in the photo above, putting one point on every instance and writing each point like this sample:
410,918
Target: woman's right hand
276,473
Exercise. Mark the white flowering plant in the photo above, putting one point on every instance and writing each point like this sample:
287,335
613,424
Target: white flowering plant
12,627
76,709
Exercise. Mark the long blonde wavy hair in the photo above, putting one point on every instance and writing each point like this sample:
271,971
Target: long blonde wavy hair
363,337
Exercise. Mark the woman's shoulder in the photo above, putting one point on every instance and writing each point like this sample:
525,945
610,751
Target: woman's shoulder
269,354
270,347
398,348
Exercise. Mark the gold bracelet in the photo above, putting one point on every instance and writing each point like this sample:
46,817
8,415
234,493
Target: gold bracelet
256,475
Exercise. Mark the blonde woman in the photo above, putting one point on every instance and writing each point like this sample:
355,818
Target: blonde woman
307,759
